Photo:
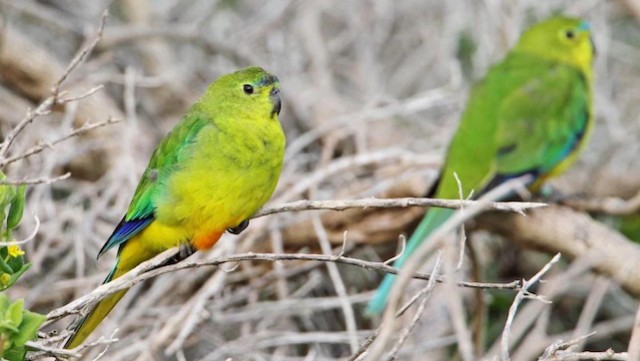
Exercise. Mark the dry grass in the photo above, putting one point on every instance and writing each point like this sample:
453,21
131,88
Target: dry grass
372,92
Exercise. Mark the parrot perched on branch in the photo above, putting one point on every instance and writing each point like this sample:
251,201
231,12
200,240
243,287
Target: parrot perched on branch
531,115
214,170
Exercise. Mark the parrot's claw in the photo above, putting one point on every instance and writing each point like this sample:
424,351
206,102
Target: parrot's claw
185,250
239,228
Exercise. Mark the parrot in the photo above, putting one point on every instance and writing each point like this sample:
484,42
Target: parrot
530,115
209,174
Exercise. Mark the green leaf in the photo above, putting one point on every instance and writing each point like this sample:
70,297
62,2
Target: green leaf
31,322
16,264
15,354
17,208
7,193
4,267
4,303
14,312
8,328
15,276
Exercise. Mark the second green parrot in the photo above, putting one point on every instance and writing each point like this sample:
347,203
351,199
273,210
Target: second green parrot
214,170
530,115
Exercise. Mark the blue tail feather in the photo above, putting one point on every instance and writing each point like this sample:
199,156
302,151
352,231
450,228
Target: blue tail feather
432,220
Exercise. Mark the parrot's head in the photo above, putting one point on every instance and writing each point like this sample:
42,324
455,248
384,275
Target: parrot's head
250,90
562,39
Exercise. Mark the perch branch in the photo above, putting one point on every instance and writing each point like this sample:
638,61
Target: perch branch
340,205
154,267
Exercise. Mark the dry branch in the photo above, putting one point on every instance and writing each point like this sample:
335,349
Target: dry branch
40,147
154,267
340,205
506,332
557,229
433,241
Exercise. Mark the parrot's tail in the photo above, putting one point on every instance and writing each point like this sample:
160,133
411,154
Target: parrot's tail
432,220
88,323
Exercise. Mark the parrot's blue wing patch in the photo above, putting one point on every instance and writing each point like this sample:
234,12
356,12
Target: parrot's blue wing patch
124,231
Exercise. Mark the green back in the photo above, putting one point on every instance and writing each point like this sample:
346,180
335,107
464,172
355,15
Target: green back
525,116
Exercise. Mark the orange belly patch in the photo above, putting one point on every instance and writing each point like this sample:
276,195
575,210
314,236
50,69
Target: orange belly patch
206,240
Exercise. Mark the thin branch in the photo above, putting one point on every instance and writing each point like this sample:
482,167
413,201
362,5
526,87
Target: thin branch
340,205
59,353
424,294
153,268
32,181
432,242
81,56
42,146
403,242
42,109
88,93
506,333
338,283
608,355
46,105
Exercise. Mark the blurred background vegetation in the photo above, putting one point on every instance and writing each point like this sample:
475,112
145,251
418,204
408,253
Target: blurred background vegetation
372,92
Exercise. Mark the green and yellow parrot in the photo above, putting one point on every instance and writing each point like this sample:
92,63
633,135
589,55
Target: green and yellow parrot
530,115
214,170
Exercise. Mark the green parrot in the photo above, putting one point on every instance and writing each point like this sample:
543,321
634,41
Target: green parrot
214,170
531,115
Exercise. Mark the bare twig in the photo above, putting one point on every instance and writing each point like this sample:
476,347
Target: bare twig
40,147
516,302
403,243
46,105
561,351
609,355
32,181
47,351
424,294
338,284
432,242
340,205
80,57
151,268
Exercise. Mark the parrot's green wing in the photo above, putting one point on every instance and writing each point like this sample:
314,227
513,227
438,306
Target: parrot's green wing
541,123
165,160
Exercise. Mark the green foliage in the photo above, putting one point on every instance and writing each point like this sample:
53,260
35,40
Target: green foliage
17,325
12,264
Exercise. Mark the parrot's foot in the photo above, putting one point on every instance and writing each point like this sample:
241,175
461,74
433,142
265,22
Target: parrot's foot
185,251
239,228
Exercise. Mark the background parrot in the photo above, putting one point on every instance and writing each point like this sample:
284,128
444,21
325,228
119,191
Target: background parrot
531,114
216,168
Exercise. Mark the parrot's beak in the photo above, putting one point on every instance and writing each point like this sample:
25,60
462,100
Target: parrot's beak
275,99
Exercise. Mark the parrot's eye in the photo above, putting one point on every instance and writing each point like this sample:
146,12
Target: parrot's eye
570,34
248,89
